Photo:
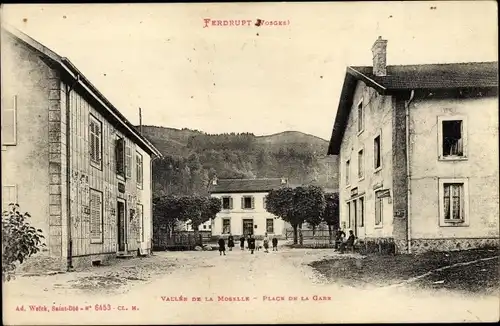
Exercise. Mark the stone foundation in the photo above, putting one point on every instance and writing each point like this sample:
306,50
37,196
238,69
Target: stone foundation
386,246
423,245
87,261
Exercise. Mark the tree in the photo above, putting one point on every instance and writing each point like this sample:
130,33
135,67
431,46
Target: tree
310,203
20,240
331,213
167,211
280,202
199,209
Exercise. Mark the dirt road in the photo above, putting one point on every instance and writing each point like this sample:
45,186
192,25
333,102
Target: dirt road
203,287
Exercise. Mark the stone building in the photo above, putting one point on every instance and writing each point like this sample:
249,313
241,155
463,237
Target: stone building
418,153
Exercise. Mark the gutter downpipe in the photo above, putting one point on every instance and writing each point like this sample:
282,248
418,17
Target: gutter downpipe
408,170
151,198
68,172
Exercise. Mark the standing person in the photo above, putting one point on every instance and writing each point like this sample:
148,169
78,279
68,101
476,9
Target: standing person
275,243
242,242
230,242
222,246
248,241
339,237
266,243
251,243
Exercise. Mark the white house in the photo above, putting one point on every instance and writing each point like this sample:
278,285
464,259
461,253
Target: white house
244,207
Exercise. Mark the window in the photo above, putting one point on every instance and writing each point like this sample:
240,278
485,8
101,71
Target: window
347,172
9,196
361,214
452,137
361,117
128,162
9,121
378,209
247,202
140,216
348,215
264,203
120,157
204,226
96,222
227,203
95,141
139,170
226,225
361,165
453,201
376,153
270,225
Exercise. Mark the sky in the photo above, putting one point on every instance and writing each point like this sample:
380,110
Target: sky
260,79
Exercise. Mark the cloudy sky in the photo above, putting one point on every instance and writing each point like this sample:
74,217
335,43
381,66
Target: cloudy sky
263,79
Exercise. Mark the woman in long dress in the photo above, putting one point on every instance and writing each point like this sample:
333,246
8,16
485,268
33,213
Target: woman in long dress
230,242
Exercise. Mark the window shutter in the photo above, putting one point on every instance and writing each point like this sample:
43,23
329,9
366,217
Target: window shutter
9,121
242,202
128,161
264,202
230,202
98,144
92,141
253,202
96,227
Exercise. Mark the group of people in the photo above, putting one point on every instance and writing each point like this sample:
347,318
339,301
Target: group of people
342,242
251,243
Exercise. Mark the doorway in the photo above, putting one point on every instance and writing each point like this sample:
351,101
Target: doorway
122,226
247,226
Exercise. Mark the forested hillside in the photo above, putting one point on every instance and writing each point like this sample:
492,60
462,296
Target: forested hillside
192,158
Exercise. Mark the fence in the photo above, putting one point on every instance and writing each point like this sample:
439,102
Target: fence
180,240
318,238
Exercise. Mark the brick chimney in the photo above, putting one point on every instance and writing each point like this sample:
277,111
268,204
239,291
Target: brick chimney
379,50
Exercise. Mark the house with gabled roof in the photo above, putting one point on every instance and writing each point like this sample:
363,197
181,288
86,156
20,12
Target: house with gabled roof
418,154
244,207
71,159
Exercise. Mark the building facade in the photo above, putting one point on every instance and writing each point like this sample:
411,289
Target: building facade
418,154
244,207
70,159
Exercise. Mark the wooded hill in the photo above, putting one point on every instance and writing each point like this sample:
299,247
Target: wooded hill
192,158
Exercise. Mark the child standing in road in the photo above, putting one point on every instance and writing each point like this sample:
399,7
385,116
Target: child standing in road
242,242
266,243
275,244
251,243
222,246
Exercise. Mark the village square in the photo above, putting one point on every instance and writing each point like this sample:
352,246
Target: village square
392,218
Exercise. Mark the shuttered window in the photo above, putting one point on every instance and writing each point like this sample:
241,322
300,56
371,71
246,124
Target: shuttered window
95,141
9,121
9,196
140,216
120,157
96,220
247,202
128,161
139,170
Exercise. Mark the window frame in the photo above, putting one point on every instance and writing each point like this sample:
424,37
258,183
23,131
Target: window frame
361,118
442,119
453,222
272,225
252,202
128,162
95,163
139,167
379,154
14,122
95,240
229,225
5,206
362,160
229,203
347,169
381,210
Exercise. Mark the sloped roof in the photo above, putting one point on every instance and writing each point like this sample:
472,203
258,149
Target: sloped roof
404,78
433,76
246,185
64,65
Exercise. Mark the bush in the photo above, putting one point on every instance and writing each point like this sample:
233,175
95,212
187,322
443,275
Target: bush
19,240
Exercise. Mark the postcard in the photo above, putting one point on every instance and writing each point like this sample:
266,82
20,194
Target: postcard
250,163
